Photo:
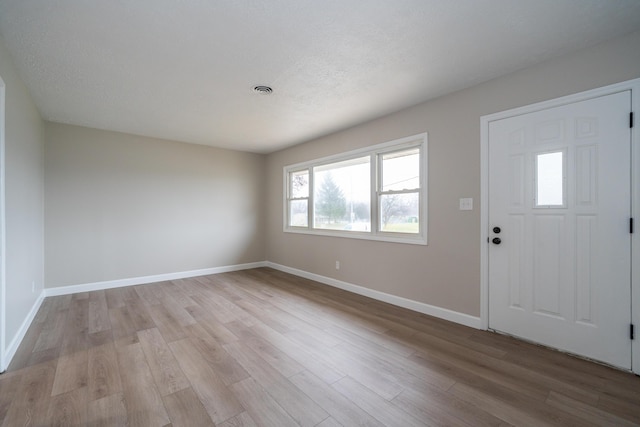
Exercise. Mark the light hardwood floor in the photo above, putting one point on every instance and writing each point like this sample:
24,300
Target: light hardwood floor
261,347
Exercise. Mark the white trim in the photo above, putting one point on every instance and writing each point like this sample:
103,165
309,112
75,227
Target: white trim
22,331
565,100
442,313
634,87
635,213
396,144
358,235
3,233
110,284
484,222
66,290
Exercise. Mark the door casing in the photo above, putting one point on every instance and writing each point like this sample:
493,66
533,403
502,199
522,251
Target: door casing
3,291
634,87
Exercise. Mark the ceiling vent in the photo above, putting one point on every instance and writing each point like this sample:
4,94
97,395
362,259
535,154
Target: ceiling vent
264,90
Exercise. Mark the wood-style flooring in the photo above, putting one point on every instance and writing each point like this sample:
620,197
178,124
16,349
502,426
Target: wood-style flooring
264,348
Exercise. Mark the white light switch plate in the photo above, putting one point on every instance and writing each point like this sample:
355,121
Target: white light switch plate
466,204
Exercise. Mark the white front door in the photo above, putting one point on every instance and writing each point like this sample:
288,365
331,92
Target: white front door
560,204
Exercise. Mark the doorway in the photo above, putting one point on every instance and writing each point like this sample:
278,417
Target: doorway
557,243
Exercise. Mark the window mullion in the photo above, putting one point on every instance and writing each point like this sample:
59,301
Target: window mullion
310,207
413,190
374,205
287,190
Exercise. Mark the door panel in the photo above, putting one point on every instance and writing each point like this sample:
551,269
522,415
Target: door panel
559,189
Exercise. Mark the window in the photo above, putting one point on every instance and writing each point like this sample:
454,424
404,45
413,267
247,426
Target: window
377,193
342,194
299,198
399,195
550,180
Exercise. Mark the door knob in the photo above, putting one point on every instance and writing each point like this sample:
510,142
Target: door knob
496,241
496,230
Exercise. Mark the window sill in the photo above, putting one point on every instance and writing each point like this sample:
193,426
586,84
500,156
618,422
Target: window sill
381,237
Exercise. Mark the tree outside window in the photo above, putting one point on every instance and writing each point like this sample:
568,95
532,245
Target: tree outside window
330,203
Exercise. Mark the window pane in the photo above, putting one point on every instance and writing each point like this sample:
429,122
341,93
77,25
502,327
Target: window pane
549,179
299,184
400,213
401,170
342,194
298,213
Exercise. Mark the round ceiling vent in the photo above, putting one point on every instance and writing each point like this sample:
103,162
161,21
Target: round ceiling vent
264,90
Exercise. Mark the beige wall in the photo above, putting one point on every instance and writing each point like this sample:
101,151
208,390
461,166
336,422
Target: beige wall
24,183
446,273
120,206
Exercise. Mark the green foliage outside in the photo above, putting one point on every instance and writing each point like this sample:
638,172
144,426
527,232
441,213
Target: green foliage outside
402,227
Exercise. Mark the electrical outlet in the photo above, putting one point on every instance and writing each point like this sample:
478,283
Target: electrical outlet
466,204
337,265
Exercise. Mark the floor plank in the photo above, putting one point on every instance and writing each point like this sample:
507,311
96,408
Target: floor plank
107,411
168,325
297,404
240,420
103,371
444,408
586,412
261,406
25,351
71,373
185,409
225,366
341,409
76,329
98,312
52,332
164,367
31,402
514,408
380,408
142,399
306,357
211,390
68,409
9,385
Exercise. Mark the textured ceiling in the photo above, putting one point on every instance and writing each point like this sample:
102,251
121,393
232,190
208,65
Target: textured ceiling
185,70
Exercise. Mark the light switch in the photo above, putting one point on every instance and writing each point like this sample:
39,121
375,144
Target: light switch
466,204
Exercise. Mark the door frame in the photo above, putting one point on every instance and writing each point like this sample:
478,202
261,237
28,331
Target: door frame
634,304
3,234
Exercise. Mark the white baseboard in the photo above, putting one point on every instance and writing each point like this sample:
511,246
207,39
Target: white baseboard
109,284
87,287
431,310
442,313
22,331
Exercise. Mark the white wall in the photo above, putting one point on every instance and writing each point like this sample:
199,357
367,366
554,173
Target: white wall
446,273
120,206
24,178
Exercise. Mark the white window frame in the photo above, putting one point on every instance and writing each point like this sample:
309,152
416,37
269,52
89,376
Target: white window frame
289,199
374,152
